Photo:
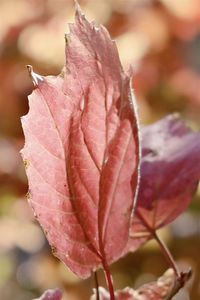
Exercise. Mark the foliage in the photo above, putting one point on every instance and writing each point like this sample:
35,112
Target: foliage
82,157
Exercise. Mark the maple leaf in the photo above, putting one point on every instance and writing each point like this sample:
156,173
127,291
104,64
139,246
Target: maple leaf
82,151
169,176
163,289
55,294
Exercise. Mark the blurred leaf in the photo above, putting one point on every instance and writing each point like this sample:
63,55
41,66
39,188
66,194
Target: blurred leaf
169,176
163,289
51,295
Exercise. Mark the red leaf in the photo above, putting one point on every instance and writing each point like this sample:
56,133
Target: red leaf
82,151
51,295
169,175
163,289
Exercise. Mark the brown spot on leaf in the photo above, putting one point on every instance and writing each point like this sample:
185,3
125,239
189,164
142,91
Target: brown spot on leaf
26,163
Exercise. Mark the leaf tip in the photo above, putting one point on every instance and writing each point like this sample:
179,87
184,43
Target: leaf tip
77,8
35,78
79,15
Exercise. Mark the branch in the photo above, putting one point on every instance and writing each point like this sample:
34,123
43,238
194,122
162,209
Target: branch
179,283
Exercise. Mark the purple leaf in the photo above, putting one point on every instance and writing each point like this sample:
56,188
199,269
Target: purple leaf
170,172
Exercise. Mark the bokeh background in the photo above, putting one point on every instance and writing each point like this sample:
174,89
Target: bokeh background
162,40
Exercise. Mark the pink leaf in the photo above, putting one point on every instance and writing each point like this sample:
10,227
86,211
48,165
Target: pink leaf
163,289
51,295
82,151
169,175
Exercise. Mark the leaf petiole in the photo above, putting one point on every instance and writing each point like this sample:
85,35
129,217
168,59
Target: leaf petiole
109,280
167,254
163,247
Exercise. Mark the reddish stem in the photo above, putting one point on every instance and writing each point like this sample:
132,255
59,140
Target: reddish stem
109,280
167,254
162,245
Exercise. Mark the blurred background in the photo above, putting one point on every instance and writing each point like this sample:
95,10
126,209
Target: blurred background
162,40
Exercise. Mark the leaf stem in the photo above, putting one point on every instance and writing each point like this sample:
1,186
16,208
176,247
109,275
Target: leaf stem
167,254
96,285
162,245
109,279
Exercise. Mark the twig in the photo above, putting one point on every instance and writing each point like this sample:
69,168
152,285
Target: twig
179,283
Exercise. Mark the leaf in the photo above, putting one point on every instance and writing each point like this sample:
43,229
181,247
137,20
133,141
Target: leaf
55,294
169,176
163,289
82,151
